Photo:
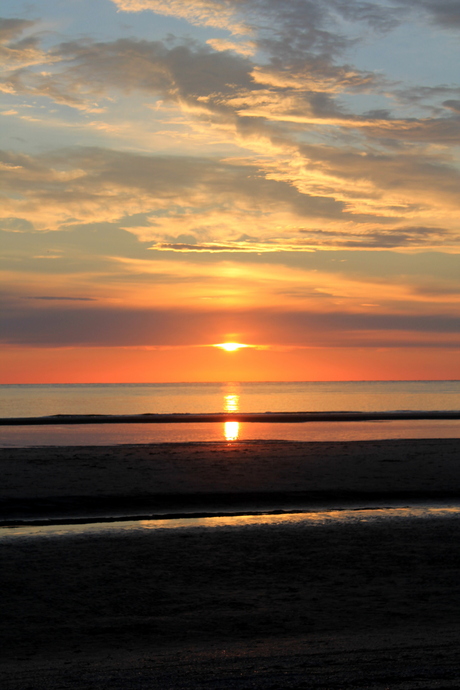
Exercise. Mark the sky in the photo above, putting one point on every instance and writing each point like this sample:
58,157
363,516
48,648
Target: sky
177,174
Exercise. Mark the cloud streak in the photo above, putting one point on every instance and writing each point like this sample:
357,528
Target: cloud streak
101,327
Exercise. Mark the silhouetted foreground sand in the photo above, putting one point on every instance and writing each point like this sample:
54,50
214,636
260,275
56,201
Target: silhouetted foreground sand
364,605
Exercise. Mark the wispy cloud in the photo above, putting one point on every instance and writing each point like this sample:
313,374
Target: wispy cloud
53,298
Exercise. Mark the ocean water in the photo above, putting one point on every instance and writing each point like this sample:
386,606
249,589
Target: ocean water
366,396
139,398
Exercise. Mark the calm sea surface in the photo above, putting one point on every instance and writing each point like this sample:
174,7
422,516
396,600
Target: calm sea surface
41,400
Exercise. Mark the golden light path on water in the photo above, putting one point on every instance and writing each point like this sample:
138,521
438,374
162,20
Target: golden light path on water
231,431
231,404
313,519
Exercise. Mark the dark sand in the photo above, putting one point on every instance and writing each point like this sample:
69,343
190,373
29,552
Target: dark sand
174,477
364,605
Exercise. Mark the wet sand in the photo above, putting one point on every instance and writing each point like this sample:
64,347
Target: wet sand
366,605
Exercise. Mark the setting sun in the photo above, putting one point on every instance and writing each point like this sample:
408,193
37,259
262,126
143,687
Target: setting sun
231,347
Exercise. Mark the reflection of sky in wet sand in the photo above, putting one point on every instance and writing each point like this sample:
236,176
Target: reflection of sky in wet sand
325,517
300,520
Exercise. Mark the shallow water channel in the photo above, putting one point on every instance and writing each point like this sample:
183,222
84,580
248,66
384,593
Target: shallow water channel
300,519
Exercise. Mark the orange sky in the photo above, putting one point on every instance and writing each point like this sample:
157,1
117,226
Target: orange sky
176,175
108,365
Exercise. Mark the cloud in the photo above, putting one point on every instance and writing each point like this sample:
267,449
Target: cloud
316,171
367,238
53,298
21,53
211,202
237,246
388,238
302,39
404,183
215,13
151,66
247,48
452,105
86,70
299,83
444,13
11,28
378,16
197,77
416,94
102,185
97,327
311,24
269,23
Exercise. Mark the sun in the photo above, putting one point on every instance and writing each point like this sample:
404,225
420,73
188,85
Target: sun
231,347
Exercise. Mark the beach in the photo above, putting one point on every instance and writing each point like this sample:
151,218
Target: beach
372,603
190,477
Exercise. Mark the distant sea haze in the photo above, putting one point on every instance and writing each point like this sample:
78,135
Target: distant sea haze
138,398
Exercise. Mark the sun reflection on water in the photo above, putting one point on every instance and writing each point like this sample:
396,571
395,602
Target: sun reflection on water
231,404
231,431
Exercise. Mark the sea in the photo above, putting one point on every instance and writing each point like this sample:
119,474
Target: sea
38,400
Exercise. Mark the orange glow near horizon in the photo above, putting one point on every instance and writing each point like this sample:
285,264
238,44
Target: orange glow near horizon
141,365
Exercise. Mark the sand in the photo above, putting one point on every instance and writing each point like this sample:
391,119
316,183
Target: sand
365,605
209,476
